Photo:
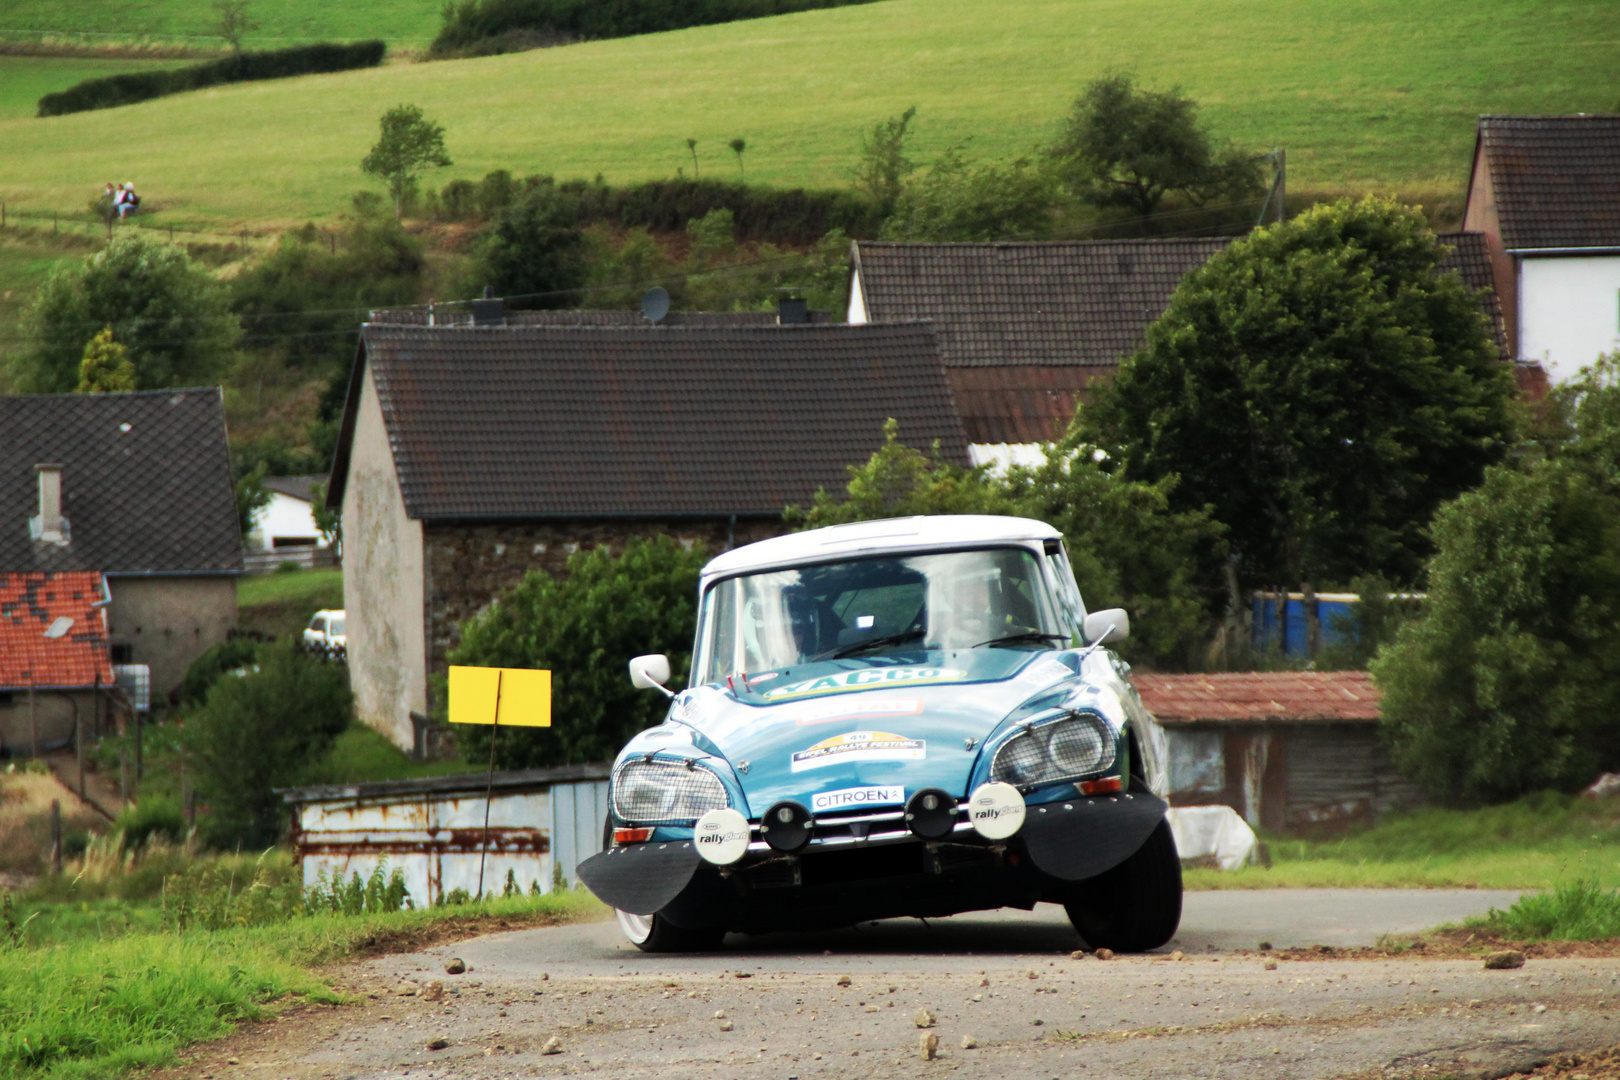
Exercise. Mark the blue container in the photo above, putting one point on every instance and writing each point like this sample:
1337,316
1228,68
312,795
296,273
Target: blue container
1335,612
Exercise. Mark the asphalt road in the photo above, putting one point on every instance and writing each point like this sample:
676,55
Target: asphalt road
772,1007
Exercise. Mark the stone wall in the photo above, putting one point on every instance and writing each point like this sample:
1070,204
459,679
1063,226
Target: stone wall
167,622
468,565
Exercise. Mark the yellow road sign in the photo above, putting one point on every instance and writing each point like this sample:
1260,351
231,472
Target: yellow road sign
525,696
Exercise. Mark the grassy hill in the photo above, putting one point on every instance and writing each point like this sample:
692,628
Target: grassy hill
25,79
1365,94
191,22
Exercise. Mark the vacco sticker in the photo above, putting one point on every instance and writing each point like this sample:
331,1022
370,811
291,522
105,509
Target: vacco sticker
865,679
856,746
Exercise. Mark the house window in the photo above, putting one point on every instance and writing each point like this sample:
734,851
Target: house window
5,698
123,654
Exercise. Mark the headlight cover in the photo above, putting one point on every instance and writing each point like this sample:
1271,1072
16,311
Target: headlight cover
1073,745
665,792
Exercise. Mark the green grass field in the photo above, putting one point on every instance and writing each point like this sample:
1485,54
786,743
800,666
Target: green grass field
1539,842
283,603
191,22
1364,94
25,79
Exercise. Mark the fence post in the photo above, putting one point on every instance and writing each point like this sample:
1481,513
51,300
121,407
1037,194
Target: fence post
78,733
123,772
33,723
1313,628
56,837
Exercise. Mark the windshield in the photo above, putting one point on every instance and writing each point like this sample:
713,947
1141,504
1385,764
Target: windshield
954,600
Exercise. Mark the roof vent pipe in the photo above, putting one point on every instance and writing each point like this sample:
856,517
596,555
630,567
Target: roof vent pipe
49,526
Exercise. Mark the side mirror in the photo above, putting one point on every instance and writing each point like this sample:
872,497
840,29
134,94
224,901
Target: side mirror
650,672
1107,626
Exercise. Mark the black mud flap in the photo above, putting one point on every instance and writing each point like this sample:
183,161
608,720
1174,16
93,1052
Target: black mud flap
1081,838
640,878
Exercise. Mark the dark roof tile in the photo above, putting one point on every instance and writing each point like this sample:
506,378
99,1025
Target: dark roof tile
146,482
1556,179
1471,258
539,422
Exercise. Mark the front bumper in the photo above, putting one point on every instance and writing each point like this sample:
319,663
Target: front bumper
1060,842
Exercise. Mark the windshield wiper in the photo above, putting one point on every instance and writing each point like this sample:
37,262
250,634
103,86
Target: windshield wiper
1019,639
871,643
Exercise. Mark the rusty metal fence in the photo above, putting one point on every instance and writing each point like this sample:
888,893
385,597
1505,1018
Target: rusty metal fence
542,823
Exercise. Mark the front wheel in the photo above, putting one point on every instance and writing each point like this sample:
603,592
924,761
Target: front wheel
653,933
1136,906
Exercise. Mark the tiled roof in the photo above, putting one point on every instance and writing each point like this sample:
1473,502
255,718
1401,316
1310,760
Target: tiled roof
298,487
461,315
1066,303
1472,260
146,482
1026,403
31,605
1556,179
541,422
1320,696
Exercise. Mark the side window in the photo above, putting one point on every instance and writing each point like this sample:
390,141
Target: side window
317,624
1071,608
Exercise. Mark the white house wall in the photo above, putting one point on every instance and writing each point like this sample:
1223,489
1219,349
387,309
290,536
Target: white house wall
382,583
1569,311
287,518
857,302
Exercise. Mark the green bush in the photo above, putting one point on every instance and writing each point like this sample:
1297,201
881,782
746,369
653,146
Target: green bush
584,628
474,26
534,251
379,892
170,314
154,815
115,90
260,731
229,655
1510,680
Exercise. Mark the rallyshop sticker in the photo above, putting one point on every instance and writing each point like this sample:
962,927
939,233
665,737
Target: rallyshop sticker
865,679
857,746
856,797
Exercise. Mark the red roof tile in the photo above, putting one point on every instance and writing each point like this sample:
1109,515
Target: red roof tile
1319,696
30,604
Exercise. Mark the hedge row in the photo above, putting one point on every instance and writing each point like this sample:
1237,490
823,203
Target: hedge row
115,90
794,216
469,25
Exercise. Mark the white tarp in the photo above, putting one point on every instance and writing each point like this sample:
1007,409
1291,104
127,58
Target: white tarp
1218,831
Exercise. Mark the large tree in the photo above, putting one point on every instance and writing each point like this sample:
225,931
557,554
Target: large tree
534,250
1126,147
171,317
1324,387
1510,681
406,144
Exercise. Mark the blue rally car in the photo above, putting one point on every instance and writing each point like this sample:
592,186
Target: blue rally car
913,717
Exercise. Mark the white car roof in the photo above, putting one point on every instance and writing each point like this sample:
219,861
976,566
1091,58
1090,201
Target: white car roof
870,537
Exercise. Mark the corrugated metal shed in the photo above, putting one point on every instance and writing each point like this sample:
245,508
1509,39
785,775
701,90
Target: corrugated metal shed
542,823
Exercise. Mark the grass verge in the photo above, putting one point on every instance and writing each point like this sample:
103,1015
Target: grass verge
97,1006
1533,843
282,603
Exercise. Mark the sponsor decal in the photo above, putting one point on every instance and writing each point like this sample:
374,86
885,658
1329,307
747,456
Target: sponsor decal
856,797
722,836
865,679
857,746
864,709
765,677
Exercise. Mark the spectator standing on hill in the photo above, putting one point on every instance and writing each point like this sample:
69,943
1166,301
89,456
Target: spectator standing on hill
126,200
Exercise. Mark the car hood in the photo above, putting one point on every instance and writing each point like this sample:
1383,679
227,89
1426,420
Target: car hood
910,720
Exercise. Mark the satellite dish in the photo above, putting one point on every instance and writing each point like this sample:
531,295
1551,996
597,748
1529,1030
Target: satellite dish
655,304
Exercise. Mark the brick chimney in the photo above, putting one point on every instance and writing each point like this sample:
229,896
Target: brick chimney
50,526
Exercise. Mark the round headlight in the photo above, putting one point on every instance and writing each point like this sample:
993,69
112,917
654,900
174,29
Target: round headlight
665,791
1078,744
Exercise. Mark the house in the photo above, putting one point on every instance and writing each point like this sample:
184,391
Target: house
1026,328
1285,749
1545,193
470,455
137,488
53,658
284,529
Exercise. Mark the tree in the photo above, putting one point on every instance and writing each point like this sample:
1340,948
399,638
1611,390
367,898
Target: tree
584,628
535,250
1510,680
737,147
233,23
691,148
1129,148
170,315
329,522
105,368
1323,387
408,143
261,730
957,201
884,167
251,497
1126,545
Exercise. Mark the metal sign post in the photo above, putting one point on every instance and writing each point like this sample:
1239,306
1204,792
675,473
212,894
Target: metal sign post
489,784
